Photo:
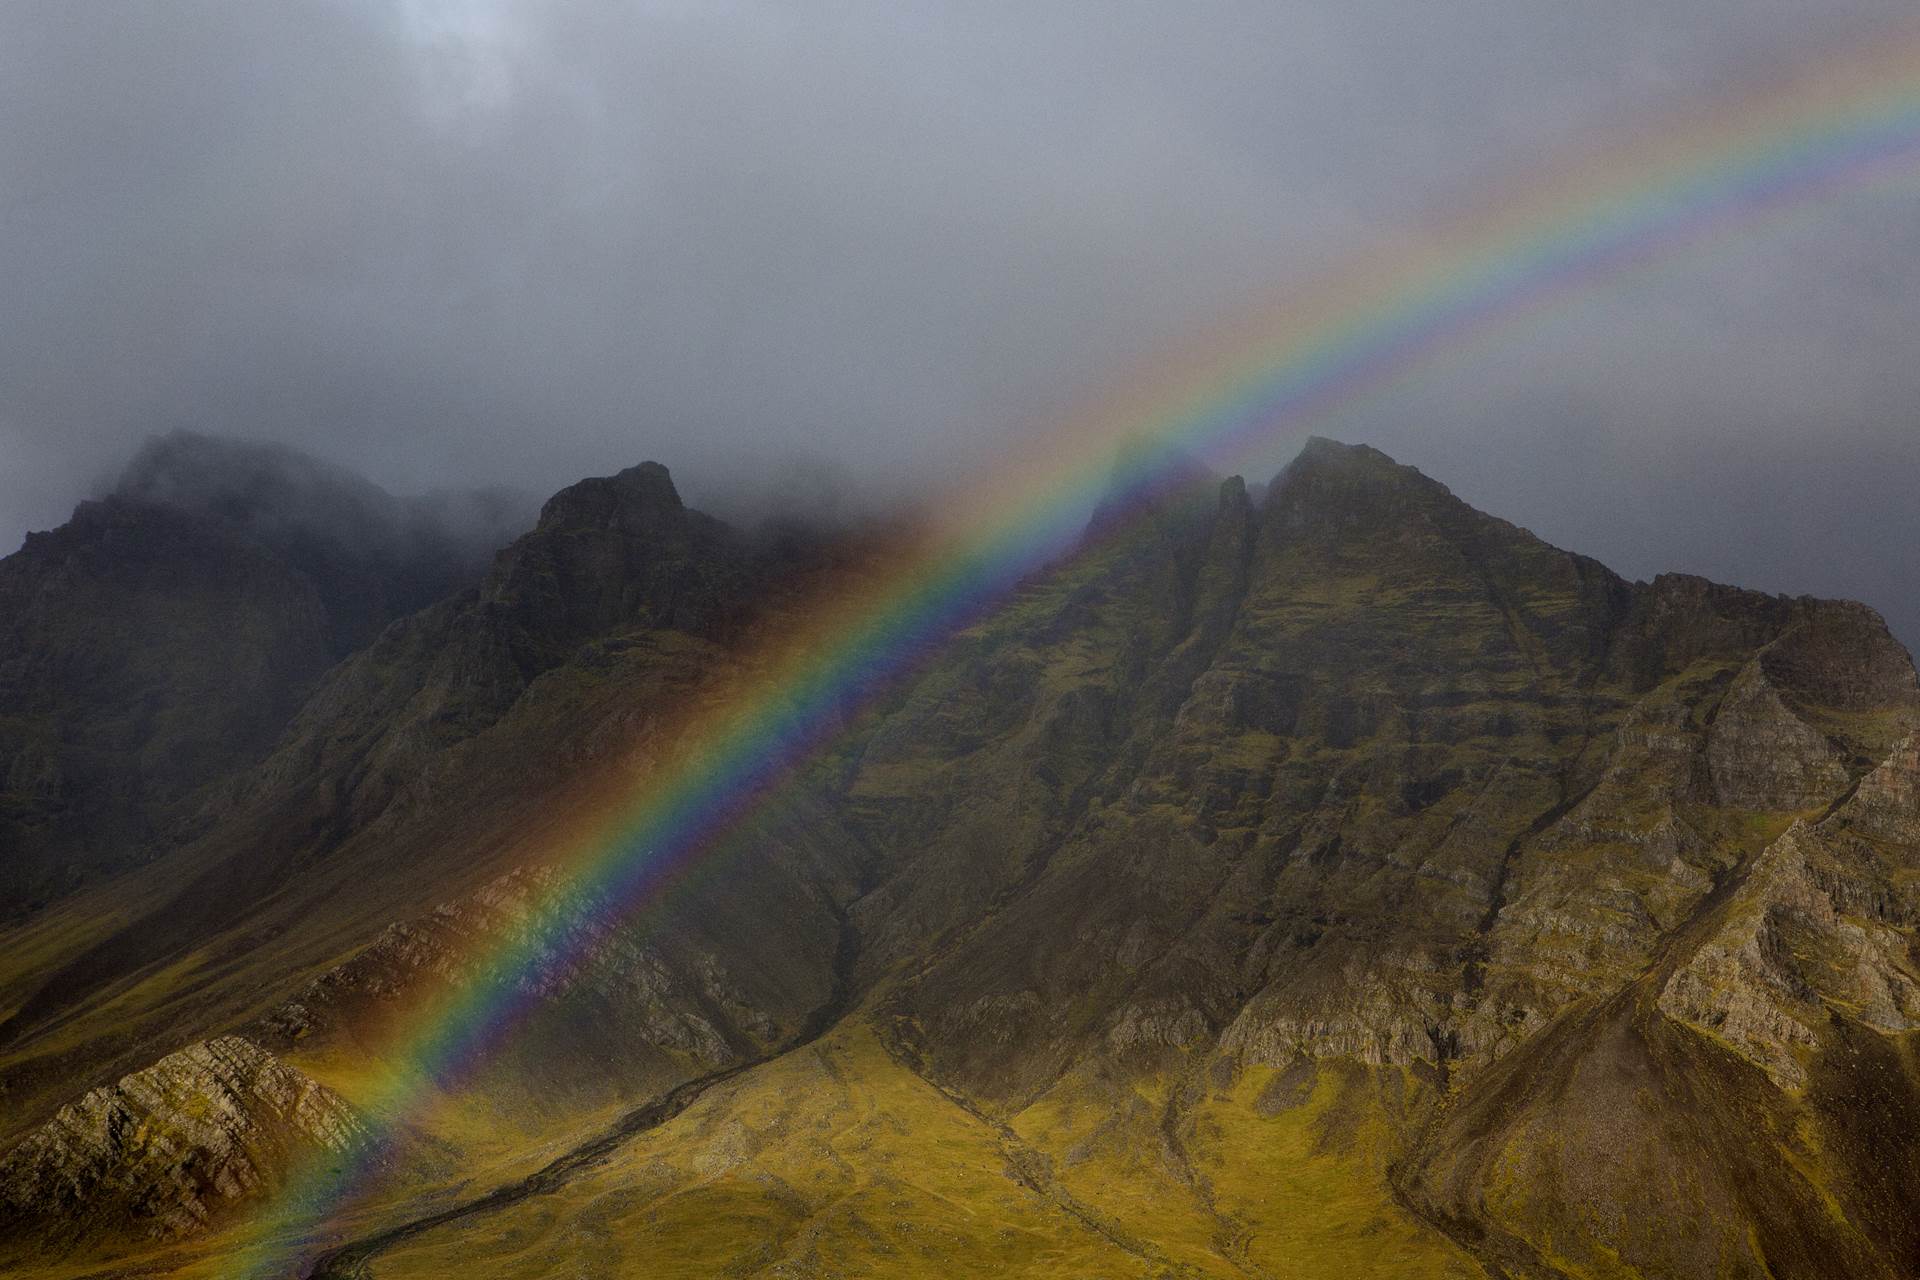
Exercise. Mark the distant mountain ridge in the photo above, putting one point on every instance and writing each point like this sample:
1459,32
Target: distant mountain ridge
165,635
1334,881
373,556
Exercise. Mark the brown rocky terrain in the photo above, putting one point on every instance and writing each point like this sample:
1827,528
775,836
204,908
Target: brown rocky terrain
166,1150
1339,881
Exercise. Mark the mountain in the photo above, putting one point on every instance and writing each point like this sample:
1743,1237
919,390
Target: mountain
1343,881
165,636
371,556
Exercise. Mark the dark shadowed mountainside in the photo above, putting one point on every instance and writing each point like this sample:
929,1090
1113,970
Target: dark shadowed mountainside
165,635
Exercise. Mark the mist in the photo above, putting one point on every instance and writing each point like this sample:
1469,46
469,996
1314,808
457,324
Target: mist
819,258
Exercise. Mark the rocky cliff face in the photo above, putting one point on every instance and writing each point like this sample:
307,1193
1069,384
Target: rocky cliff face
171,1150
1390,780
652,1006
1550,924
1822,926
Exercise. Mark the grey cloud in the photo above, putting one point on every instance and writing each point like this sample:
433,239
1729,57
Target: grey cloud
505,241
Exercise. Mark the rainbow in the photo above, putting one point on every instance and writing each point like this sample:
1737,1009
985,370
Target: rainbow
1627,205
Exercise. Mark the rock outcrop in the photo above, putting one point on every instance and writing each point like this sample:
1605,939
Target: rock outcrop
1822,927
569,951
173,1149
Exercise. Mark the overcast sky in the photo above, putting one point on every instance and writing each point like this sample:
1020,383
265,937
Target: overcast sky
490,241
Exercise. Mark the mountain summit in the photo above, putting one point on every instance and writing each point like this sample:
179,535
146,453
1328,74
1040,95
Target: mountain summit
1343,882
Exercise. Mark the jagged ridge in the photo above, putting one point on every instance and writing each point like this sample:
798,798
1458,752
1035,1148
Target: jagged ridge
1350,822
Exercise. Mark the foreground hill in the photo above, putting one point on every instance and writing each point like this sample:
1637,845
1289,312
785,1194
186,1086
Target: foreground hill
1345,881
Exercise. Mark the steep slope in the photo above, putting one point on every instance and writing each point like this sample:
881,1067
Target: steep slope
371,555
167,1150
1341,882
145,653
1394,780
400,828
1757,1081
416,763
164,637
1423,790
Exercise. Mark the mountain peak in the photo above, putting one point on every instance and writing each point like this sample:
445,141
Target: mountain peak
307,507
637,499
259,485
1324,456
1344,485
1327,446
649,478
